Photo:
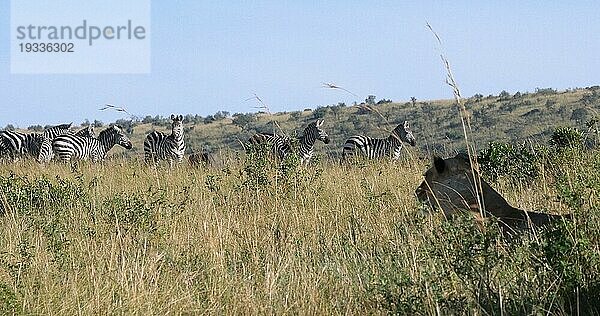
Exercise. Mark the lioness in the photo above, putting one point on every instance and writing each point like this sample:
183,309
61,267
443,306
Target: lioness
450,185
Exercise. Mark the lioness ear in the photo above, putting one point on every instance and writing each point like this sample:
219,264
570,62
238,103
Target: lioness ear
439,163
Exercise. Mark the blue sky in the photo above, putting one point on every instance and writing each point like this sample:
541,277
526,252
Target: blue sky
212,55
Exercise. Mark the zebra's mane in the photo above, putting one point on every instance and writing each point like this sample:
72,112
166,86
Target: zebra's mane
110,131
62,126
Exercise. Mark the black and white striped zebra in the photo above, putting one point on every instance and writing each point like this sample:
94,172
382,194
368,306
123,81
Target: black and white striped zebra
15,144
372,148
160,146
46,153
282,145
67,147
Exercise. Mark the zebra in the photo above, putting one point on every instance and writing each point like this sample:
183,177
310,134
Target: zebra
282,145
379,147
160,146
67,147
14,144
46,153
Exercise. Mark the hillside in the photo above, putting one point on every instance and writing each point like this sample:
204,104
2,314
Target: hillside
436,125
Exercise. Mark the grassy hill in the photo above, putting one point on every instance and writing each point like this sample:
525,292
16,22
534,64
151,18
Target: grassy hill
436,124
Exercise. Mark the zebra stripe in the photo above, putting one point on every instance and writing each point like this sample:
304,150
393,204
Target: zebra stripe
46,153
61,129
282,145
14,144
380,147
67,147
160,146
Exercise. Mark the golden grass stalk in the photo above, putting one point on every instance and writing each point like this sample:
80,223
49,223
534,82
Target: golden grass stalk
465,122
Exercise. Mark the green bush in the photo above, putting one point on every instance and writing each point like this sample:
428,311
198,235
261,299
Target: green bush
513,162
566,137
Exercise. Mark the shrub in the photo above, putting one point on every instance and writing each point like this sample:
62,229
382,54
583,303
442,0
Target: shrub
504,160
242,120
566,137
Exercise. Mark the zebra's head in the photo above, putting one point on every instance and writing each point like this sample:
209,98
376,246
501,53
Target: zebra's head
177,125
405,134
315,129
87,131
117,135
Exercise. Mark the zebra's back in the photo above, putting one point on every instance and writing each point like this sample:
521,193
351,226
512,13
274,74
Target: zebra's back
367,146
279,145
67,147
14,144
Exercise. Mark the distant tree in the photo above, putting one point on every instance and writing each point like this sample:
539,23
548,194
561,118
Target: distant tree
220,115
341,104
296,115
147,119
85,123
590,98
580,115
413,100
127,125
320,112
9,127
545,91
504,95
189,118
97,123
209,119
242,120
370,100
517,95
35,128
383,101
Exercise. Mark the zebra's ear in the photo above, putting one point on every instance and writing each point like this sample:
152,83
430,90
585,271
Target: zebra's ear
439,163
172,117
406,124
180,117
320,122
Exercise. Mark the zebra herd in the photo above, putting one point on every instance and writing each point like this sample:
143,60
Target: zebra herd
61,141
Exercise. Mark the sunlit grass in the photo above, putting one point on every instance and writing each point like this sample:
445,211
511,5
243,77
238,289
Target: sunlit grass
122,237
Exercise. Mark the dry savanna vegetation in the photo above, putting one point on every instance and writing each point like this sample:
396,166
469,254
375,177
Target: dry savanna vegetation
251,236
256,237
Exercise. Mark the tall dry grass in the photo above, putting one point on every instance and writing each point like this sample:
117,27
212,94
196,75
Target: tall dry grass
127,239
